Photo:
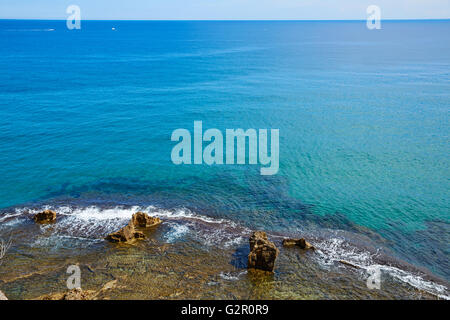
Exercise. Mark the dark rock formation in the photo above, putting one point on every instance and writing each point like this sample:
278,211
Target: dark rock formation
349,264
143,220
126,234
46,216
262,252
302,243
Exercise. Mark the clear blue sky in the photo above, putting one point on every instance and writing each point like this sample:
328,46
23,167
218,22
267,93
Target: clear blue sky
224,9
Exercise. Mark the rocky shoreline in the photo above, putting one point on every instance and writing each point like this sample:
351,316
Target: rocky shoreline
137,262
262,256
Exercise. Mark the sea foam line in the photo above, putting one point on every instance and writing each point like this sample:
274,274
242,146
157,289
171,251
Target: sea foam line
334,250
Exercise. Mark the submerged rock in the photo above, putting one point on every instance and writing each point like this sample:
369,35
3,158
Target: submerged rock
126,234
77,294
45,216
80,294
262,252
2,296
143,220
349,264
302,243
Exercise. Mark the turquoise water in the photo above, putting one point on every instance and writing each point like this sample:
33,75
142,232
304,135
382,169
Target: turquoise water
363,117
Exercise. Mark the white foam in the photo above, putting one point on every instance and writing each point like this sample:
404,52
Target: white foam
334,250
219,237
232,276
96,222
415,281
92,214
7,216
185,214
96,213
177,231
234,241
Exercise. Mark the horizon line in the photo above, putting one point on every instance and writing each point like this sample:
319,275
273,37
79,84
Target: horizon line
393,19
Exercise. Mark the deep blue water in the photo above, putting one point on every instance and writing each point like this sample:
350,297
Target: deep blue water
363,118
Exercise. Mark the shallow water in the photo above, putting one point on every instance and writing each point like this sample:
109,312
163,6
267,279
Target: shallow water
192,256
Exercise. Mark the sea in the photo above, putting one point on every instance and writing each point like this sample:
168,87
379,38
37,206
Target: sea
363,117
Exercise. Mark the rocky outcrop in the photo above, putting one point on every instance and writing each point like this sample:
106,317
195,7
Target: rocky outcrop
263,253
302,243
126,234
129,233
2,296
143,220
46,216
74,294
79,294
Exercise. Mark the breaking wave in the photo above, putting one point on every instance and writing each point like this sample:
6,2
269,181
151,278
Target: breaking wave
93,223
337,250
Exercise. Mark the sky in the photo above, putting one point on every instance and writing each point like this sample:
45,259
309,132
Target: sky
225,9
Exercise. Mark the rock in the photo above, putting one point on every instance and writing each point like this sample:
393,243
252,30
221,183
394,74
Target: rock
262,252
46,216
79,294
289,242
257,235
2,296
74,294
126,234
302,243
349,264
143,220
108,286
